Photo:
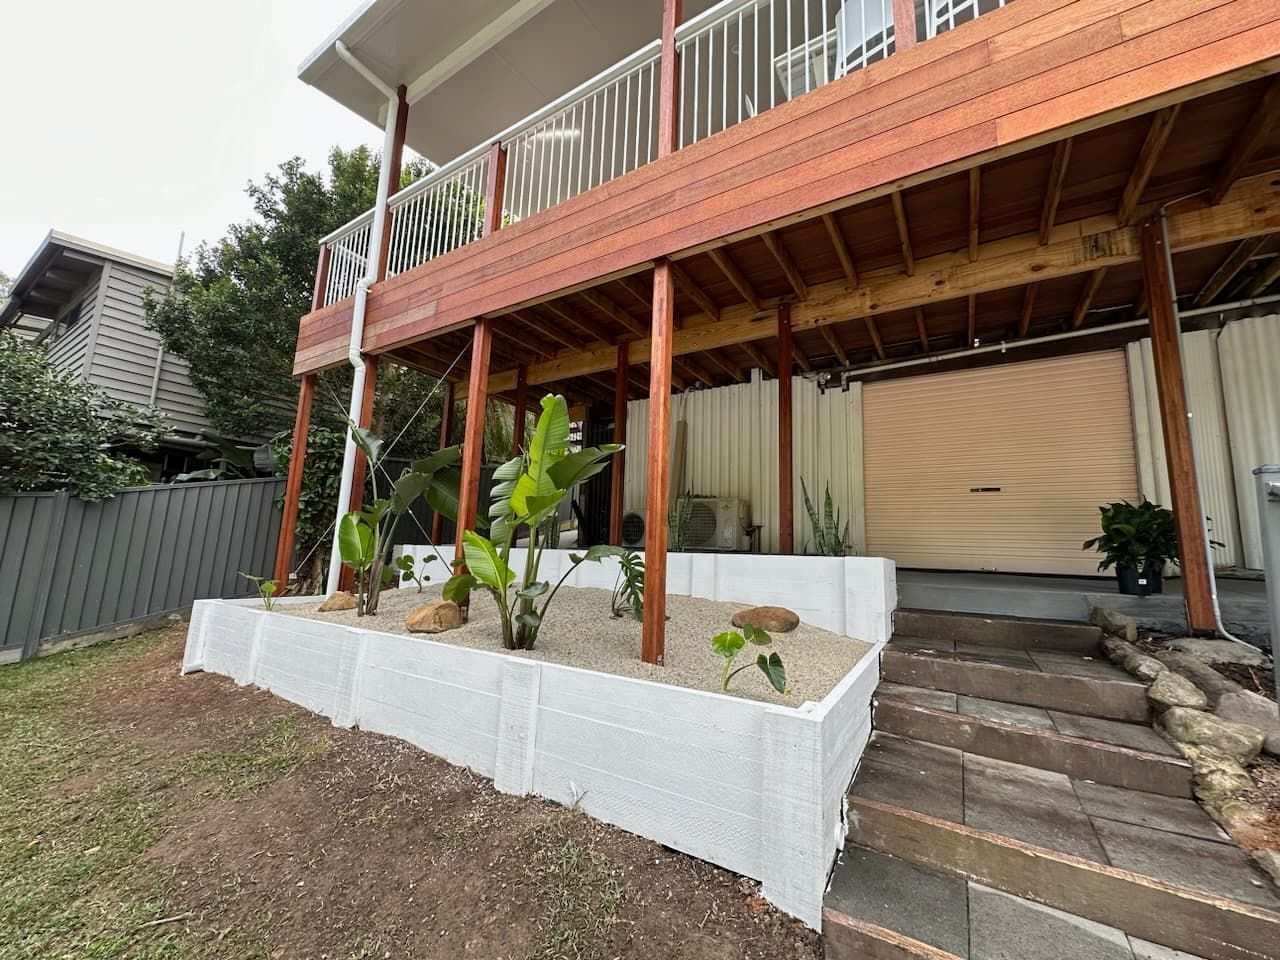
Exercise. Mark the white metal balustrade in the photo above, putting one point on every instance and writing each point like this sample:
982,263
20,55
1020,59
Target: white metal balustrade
441,212
738,59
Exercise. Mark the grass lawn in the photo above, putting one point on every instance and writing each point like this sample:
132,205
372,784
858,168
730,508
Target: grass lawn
148,815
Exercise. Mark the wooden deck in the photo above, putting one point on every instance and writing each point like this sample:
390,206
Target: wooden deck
981,184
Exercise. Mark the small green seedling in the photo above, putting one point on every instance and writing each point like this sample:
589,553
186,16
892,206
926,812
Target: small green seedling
407,572
266,588
730,643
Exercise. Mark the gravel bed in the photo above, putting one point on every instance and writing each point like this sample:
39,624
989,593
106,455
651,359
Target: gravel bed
580,632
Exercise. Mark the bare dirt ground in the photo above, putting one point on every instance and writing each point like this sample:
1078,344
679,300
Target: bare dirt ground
147,815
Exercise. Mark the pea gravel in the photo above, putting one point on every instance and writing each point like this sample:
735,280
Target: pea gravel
580,632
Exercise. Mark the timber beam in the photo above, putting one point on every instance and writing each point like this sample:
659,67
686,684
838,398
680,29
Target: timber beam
1251,209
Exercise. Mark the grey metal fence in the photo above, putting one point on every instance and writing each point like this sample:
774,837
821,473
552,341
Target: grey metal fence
69,567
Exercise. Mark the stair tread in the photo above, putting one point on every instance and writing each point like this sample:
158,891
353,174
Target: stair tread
1118,733
1058,662
971,921
1166,838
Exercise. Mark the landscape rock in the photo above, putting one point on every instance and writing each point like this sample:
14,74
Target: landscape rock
1269,861
1216,779
1245,822
1174,690
1209,680
1256,711
1114,623
1220,651
338,601
435,617
769,619
1128,657
1187,727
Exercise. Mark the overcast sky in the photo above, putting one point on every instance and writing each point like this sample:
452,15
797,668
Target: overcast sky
129,121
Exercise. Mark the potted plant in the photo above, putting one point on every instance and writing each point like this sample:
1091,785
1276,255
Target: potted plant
1138,541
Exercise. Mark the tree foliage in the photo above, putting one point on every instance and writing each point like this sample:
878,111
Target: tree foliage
60,433
6,283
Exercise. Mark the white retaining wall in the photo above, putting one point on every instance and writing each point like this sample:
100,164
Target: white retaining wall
753,787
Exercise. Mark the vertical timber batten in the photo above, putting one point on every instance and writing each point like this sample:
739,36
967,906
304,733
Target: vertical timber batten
618,474
786,494
446,437
1184,488
521,409
659,467
293,485
904,25
660,344
481,348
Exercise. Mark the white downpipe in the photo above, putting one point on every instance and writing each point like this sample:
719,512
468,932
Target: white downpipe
356,341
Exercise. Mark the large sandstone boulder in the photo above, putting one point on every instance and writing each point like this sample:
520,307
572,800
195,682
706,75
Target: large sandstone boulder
1114,623
1214,684
435,617
1268,860
1193,728
1220,651
1216,778
1174,690
1256,711
1129,658
338,601
769,619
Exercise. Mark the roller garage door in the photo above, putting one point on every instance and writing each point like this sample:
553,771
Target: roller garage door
999,468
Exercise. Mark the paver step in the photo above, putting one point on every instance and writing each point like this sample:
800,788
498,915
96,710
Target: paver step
1030,736
1152,865
1013,632
883,908
1050,680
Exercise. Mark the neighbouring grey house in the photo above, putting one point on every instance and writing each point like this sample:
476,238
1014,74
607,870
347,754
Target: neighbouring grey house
84,302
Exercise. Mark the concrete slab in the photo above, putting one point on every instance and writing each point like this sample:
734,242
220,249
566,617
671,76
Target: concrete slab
1135,736
1244,601
1205,865
1004,927
1004,712
923,791
903,897
1027,804
919,696
1073,665
1172,814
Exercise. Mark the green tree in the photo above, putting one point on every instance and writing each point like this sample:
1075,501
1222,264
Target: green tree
6,282
59,433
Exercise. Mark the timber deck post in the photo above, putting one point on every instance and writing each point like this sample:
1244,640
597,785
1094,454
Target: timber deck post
1166,350
298,451
473,436
786,481
617,477
660,343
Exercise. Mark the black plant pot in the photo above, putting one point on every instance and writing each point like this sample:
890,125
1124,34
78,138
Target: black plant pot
1142,583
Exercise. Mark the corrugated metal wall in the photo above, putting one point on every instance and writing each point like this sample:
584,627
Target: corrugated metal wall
1208,432
732,450
69,567
1249,351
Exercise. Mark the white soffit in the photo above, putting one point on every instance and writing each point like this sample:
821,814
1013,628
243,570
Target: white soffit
476,67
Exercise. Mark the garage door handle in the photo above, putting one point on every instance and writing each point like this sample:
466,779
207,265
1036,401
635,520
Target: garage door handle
984,489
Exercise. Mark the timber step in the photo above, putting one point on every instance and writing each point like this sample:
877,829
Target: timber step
1153,866
1050,680
1015,632
952,918
1032,737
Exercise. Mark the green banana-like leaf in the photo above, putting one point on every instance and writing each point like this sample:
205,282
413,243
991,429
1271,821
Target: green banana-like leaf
485,564
355,541
548,447
407,489
534,590
444,457
583,465
370,443
458,587
442,492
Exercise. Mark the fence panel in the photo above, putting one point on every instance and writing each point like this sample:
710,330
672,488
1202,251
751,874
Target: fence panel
69,567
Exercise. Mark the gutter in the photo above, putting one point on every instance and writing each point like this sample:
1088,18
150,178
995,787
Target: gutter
355,343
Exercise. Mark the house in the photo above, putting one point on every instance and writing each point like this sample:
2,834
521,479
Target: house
913,253
85,302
